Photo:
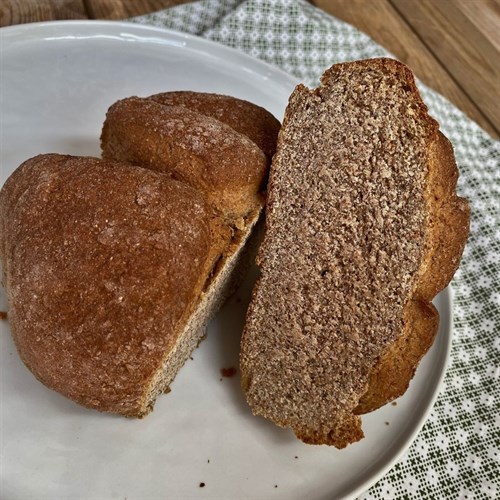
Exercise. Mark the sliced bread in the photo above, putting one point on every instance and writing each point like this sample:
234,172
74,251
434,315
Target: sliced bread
363,228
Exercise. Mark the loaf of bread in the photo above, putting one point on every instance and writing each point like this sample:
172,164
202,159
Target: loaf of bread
112,271
363,229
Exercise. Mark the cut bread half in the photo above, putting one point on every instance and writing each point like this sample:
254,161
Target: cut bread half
100,286
363,229
113,270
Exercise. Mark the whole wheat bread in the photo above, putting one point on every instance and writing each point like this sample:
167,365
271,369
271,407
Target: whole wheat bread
112,271
183,142
363,229
245,117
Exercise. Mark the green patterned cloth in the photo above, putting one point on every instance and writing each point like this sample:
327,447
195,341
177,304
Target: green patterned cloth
457,453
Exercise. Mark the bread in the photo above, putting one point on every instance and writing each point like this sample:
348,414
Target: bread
363,229
101,262
247,118
182,142
112,271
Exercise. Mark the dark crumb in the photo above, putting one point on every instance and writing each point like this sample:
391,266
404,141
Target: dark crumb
208,461
220,379
3,315
191,358
202,485
228,372
394,403
387,423
275,485
296,456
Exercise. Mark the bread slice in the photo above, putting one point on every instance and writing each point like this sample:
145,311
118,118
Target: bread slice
112,270
363,228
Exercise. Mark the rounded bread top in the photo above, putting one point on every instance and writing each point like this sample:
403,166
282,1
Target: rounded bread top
102,261
258,124
226,166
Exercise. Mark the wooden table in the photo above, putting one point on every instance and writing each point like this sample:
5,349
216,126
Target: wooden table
452,45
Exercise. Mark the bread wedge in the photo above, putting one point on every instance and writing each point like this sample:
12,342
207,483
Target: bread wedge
363,229
112,271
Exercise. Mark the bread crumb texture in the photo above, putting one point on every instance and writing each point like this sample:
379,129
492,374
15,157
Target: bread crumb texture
345,239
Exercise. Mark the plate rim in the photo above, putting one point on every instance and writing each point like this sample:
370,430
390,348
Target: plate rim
17,33
21,29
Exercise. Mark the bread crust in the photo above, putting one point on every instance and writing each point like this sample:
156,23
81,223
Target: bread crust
196,149
246,118
100,262
443,234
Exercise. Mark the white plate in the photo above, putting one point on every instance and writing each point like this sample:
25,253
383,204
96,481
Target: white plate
58,79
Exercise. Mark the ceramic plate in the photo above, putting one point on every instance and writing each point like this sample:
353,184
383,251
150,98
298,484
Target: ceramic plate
58,80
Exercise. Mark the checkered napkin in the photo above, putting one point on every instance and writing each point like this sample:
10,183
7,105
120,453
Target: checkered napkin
457,453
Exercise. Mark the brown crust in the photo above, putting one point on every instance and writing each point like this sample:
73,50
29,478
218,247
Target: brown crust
392,370
247,118
193,148
100,262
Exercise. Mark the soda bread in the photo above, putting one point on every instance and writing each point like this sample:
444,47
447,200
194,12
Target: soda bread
363,229
112,271
182,142
245,117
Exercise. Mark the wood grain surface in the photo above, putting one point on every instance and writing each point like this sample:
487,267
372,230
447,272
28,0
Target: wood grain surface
460,35
452,45
116,9
29,11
